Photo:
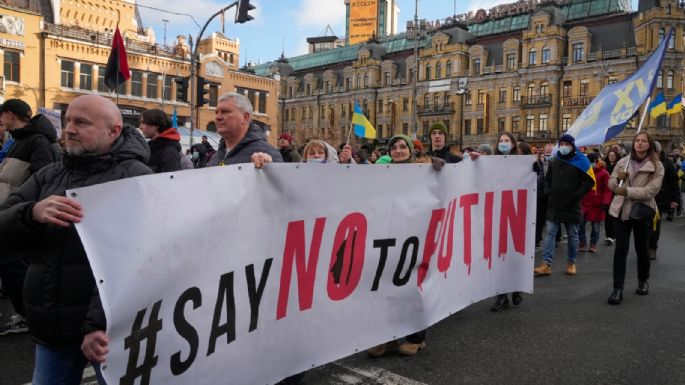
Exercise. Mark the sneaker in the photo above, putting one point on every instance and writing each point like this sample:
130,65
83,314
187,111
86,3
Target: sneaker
16,325
571,269
543,269
582,247
592,249
610,241
376,351
409,349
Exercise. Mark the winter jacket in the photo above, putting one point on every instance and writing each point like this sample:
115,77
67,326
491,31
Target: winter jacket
165,152
61,299
565,185
593,203
31,151
254,141
642,186
445,155
290,154
669,191
539,168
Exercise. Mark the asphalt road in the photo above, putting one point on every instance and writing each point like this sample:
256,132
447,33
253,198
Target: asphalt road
565,333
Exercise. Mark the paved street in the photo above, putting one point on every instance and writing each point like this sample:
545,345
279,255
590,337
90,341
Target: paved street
564,334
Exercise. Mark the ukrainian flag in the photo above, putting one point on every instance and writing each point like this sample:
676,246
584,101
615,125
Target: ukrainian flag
676,105
581,162
658,106
362,126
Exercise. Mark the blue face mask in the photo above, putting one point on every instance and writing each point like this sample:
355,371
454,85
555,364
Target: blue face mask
548,157
504,147
565,150
319,161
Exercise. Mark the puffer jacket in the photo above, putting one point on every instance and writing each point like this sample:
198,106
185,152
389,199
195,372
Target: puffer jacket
61,299
165,153
642,186
565,185
32,150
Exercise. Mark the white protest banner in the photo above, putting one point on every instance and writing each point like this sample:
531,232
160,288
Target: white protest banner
232,275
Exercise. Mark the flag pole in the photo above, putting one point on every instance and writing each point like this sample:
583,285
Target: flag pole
116,89
639,128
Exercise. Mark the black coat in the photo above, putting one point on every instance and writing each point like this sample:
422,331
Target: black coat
445,155
669,191
61,300
254,141
565,185
165,155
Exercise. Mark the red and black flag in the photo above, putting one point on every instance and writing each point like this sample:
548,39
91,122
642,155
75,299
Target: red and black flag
117,65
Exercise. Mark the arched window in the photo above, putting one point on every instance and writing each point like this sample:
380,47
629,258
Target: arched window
545,55
531,90
660,80
532,56
448,68
428,71
438,70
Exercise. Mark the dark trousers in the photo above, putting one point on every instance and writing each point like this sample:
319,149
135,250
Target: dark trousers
654,236
540,219
417,337
640,232
12,273
609,225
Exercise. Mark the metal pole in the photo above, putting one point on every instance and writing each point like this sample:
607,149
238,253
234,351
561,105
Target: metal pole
416,71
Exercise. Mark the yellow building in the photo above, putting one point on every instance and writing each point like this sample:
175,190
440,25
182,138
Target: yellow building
50,58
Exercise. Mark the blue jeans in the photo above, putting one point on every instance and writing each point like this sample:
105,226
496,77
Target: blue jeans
550,240
594,232
62,365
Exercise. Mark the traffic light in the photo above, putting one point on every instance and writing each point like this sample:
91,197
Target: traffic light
202,91
242,15
181,89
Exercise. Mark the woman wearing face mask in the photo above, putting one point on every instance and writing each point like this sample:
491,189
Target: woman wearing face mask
318,151
402,152
638,184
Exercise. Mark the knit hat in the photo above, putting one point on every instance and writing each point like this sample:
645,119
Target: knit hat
286,137
568,139
406,139
593,157
485,149
17,107
439,126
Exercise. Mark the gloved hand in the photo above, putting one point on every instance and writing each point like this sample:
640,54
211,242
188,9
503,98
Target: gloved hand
437,163
621,191
621,174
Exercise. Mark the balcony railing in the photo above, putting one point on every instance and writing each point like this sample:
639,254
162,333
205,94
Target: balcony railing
31,5
436,109
536,100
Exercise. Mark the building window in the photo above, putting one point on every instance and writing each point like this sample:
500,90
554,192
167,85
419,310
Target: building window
663,122
467,98
479,126
386,78
343,110
532,56
11,69
86,77
428,72
515,124
102,87
467,127
545,55
530,126
436,100
405,128
213,95
531,91
660,80
565,122
380,106
438,70
308,89
446,99
502,95
136,83
544,89
411,76
662,35
405,104
426,101
516,94
166,90
567,87
448,68
366,80
425,128
481,96
511,61
67,79
578,52
152,80
584,87
501,124
669,80
543,122
261,108
476,66
348,84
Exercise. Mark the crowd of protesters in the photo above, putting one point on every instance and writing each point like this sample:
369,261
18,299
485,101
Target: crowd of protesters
44,271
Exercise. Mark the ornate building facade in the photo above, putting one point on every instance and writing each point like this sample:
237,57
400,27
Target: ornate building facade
51,56
529,67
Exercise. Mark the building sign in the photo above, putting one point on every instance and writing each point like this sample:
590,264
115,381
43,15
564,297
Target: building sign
439,85
363,20
581,101
9,43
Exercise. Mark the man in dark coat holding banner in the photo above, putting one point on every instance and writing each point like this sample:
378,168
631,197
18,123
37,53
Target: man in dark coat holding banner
62,303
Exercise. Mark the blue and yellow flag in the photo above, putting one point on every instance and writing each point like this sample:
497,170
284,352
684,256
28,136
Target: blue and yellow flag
362,126
581,162
616,104
676,105
658,106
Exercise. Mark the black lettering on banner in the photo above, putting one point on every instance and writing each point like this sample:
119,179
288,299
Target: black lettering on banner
132,344
225,294
255,293
185,330
401,281
384,244
336,270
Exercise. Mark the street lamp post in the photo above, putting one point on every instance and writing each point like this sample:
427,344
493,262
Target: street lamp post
416,30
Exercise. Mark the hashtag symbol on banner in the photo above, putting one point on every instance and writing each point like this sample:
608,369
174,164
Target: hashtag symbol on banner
132,344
